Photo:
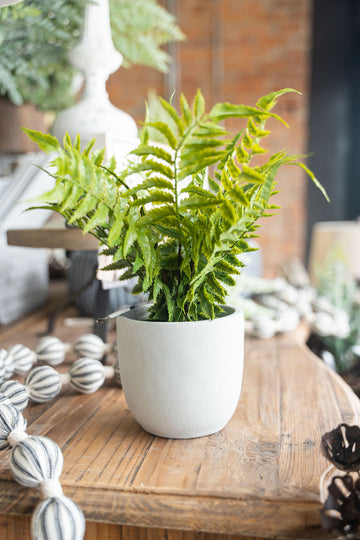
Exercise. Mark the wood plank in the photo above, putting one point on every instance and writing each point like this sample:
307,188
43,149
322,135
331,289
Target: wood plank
61,238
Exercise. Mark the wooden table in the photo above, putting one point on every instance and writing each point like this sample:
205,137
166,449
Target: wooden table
259,477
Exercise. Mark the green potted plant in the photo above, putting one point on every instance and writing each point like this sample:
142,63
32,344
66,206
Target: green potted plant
36,75
177,217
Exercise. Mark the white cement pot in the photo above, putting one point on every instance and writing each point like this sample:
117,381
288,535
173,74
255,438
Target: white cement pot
181,379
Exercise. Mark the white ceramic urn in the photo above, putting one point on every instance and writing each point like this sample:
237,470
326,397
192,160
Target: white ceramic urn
181,379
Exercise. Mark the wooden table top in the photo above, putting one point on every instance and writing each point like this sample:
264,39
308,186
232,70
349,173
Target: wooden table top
258,477
53,235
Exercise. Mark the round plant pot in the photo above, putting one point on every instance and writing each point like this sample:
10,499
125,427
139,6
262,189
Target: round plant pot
181,379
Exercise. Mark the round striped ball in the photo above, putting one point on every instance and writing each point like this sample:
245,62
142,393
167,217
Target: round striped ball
42,384
87,375
24,358
90,346
9,363
50,350
10,419
4,400
58,518
16,394
36,459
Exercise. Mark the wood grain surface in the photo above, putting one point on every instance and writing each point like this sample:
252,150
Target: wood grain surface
52,238
259,477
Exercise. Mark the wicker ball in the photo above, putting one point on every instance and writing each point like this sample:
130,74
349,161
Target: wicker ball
8,360
90,346
35,460
16,393
42,384
24,358
10,420
50,350
57,518
87,375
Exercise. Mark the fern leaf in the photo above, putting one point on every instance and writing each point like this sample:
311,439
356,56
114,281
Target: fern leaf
156,196
157,214
152,166
214,186
99,218
148,183
199,105
228,211
46,142
173,115
145,150
238,195
267,102
198,202
165,131
185,110
198,191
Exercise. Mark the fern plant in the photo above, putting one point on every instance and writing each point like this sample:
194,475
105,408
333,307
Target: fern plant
178,229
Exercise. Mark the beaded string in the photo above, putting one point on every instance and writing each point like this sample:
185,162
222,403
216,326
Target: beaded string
37,461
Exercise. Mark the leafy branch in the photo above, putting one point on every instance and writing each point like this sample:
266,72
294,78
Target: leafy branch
178,229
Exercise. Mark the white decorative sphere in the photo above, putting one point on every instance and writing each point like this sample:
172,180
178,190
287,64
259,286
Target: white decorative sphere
42,384
58,514
90,346
87,375
50,350
16,394
10,420
24,358
35,460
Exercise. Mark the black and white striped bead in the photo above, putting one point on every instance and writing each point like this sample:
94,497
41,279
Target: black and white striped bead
9,363
24,358
50,350
42,384
16,393
4,400
58,518
11,420
87,375
90,346
36,460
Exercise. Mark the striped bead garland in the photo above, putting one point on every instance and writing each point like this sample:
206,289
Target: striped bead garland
90,346
35,460
24,358
58,518
16,393
10,420
8,362
51,350
87,375
42,384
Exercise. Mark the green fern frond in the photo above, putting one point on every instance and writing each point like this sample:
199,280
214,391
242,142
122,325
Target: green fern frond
179,231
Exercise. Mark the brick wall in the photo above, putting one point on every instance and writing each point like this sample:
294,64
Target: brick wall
237,51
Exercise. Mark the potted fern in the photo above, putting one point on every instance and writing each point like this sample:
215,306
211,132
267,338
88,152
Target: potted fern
180,230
